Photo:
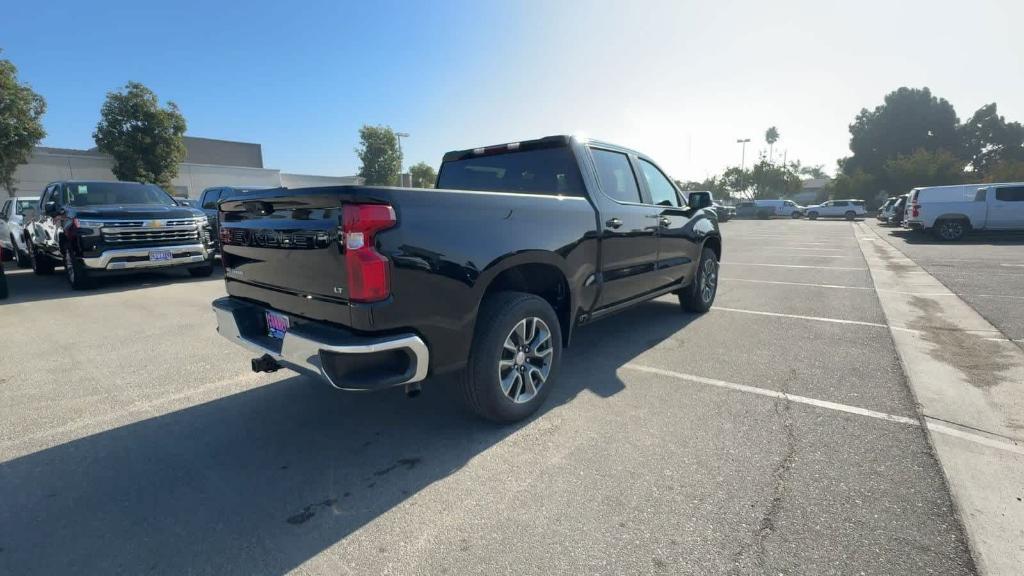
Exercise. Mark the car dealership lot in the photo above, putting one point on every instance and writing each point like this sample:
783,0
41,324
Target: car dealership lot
134,439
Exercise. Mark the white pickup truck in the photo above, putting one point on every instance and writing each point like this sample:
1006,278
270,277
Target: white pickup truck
949,212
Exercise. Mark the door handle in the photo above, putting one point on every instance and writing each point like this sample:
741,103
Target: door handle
613,223
665,222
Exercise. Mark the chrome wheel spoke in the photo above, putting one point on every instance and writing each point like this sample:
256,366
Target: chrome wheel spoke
525,360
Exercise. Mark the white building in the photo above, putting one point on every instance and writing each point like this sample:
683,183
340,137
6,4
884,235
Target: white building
207,163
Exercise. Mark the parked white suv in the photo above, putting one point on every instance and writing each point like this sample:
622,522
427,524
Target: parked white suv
11,238
949,212
848,209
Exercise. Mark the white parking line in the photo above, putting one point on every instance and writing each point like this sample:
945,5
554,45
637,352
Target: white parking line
731,279
799,317
731,263
934,427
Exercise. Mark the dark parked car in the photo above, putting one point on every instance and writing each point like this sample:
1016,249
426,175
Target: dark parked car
487,276
725,213
208,204
898,210
751,210
96,228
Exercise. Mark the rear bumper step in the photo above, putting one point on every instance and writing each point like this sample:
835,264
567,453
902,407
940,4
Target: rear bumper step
346,360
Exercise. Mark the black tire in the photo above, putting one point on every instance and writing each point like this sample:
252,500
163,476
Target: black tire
202,271
41,264
6,255
497,325
22,258
850,214
794,215
700,294
812,215
950,230
3,284
76,272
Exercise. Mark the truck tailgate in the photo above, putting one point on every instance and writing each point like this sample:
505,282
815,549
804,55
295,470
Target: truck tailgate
285,241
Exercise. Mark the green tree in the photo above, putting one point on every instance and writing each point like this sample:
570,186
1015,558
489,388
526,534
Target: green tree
923,168
21,127
771,136
910,119
145,139
989,140
1006,171
378,152
857,184
423,175
770,181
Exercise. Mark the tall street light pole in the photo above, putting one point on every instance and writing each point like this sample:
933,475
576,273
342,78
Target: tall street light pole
399,136
743,158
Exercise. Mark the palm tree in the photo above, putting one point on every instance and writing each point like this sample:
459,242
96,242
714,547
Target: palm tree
771,136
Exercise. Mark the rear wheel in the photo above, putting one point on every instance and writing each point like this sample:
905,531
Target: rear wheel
41,263
514,360
950,230
700,294
850,214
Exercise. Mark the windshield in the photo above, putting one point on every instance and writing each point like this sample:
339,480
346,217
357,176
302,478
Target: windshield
23,205
100,193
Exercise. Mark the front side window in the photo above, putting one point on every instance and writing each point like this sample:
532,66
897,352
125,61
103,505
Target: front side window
1010,194
616,175
210,199
662,191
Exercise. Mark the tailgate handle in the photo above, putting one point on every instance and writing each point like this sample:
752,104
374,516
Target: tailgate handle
258,207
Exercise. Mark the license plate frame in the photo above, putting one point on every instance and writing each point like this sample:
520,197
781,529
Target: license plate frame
277,324
160,255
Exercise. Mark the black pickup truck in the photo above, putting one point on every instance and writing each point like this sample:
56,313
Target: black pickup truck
96,228
488,274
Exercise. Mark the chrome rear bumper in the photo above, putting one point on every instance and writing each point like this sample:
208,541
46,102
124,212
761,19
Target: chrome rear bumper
346,360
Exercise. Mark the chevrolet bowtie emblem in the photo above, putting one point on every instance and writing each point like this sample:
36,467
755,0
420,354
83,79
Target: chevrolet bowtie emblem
156,224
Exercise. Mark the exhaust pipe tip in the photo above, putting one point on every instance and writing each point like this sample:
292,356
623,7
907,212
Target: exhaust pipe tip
412,389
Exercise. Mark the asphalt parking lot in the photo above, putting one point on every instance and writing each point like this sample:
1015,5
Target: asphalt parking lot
985,270
135,440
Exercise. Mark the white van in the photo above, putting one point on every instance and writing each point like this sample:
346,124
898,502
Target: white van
782,208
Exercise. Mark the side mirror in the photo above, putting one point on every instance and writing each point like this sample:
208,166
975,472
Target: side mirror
50,208
700,200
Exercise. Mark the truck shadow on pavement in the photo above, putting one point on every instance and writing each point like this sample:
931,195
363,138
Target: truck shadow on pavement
26,286
261,481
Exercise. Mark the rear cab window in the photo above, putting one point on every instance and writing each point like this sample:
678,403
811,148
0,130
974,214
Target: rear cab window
547,171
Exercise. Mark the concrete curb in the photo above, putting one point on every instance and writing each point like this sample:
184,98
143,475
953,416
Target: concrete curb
970,392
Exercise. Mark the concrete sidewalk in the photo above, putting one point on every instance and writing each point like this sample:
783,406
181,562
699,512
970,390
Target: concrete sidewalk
968,380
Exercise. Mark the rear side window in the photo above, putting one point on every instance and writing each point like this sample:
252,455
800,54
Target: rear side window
979,196
840,203
544,171
1010,194
616,175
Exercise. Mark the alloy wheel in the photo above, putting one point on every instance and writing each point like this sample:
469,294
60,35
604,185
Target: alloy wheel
525,361
708,280
951,230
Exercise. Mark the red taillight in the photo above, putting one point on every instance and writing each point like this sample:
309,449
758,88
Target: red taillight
915,210
368,275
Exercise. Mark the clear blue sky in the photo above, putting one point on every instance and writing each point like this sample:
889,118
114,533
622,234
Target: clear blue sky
679,79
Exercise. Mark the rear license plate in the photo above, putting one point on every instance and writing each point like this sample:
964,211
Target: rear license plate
159,255
277,324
